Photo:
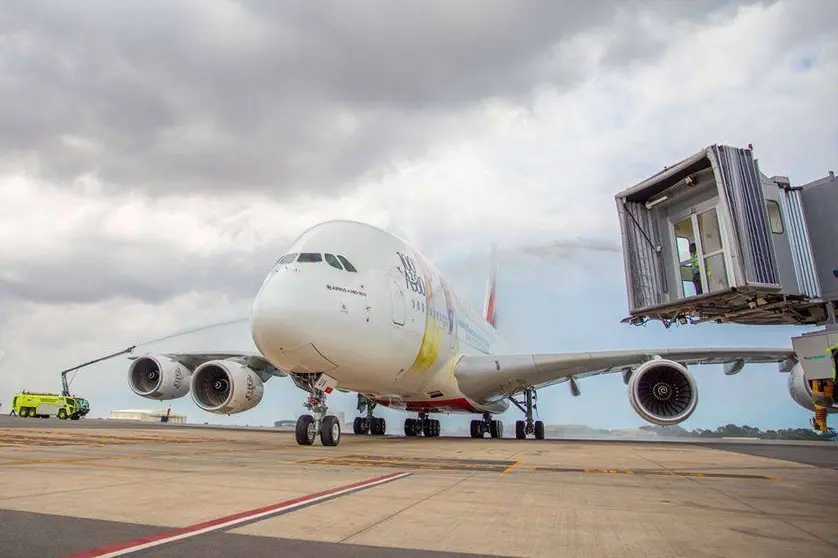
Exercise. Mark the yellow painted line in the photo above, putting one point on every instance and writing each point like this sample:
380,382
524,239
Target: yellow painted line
511,467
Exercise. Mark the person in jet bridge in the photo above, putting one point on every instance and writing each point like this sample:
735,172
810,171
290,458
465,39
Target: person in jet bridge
695,268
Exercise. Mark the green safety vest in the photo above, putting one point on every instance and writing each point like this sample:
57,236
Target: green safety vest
695,268
694,263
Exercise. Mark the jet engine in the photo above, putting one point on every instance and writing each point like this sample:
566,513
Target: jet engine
663,392
158,377
226,387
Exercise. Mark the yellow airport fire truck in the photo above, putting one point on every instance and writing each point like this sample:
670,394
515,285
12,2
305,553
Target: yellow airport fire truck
45,405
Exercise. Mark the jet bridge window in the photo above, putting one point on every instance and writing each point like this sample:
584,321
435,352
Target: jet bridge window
348,266
309,257
332,261
775,219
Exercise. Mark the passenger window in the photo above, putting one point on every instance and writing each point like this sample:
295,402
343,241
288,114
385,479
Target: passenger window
332,261
309,257
346,264
774,216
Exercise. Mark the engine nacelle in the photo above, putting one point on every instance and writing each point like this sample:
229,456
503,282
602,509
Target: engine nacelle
226,387
663,392
158,377
799,388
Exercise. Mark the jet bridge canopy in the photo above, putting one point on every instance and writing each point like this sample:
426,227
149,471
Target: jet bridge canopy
711,238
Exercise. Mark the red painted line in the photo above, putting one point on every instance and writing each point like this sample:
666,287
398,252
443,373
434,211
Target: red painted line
118,549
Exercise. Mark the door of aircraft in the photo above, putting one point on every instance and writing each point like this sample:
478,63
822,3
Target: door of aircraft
397,299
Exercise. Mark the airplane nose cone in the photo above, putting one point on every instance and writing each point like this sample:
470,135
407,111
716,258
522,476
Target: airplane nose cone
284,324
276,316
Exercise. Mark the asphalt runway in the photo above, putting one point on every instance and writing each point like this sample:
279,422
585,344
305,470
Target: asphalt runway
818,454
109,487
75,535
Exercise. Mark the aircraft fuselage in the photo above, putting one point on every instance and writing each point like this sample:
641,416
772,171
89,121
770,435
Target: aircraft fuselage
387,325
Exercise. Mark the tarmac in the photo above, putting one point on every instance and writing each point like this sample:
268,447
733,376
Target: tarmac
110,488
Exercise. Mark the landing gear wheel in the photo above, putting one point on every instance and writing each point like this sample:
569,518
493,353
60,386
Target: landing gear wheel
360,426
437,428
528,426
476,429
410,427
330,430
378,426
496,429
306,430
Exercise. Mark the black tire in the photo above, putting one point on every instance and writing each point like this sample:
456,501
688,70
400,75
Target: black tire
539,430
330,430
427,428
409,428
476,432
305,430
496,429
75,417
358,426
437,428
521,429
381,426
24,412
62,414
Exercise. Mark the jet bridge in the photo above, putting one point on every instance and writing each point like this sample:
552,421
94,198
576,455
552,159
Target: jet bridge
713,239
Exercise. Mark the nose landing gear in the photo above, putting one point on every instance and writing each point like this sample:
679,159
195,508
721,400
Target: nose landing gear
309,426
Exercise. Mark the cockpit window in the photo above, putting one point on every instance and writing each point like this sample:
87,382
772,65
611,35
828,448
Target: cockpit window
332,261
348,266
286,259
307,257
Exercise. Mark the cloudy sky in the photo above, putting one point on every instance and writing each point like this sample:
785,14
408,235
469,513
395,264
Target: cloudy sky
157,157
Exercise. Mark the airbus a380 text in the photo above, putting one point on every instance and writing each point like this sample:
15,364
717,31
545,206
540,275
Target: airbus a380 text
354,308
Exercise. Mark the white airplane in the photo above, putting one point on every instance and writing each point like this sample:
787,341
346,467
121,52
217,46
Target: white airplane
354,308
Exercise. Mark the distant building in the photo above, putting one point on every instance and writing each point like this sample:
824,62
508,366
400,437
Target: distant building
285,424
148,415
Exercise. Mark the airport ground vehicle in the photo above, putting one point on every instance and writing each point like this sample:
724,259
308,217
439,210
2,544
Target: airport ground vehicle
45,405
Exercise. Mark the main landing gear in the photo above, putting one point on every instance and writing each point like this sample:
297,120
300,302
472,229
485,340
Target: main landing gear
308,426
368,424
480,427
423,425
528,426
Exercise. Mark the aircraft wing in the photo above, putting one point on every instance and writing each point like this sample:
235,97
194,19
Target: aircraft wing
194,359
493,377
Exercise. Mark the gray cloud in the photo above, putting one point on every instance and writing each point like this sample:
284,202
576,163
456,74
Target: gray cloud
186,96
100,269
